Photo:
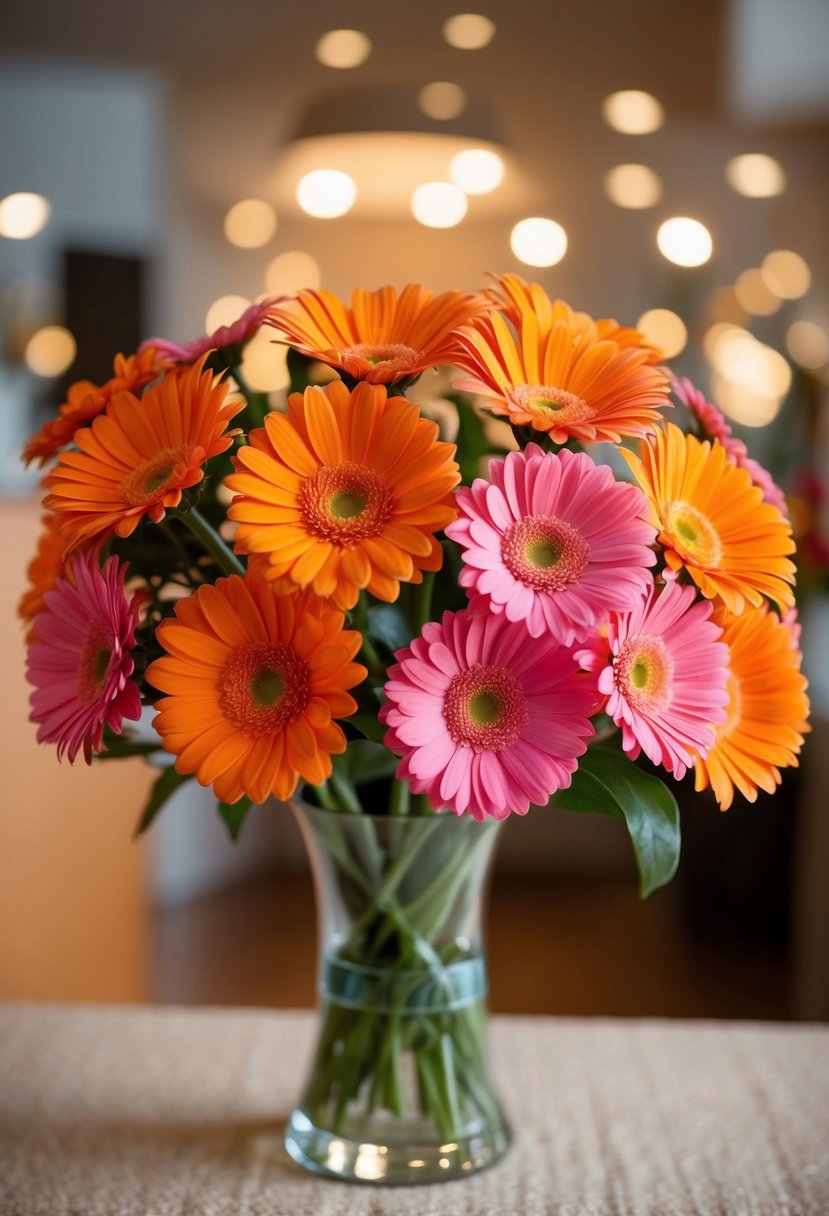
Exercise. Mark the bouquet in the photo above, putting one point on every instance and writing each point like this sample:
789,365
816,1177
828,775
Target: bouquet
332,594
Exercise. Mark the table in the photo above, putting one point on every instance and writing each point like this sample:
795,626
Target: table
142,1111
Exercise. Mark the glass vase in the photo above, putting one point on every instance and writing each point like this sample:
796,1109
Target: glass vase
399,1089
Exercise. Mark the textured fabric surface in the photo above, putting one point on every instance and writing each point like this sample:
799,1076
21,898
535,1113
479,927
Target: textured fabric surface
179,1112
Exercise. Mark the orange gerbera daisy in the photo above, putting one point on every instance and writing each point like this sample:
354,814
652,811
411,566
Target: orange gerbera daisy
43,570
561,378
515,298
85,401
713,522
254,681
381,337
138,457
767,711
346,491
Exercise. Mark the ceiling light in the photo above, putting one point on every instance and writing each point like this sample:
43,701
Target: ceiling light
326,193
684,241
343,48
469,31
442,100
23,215
292,271
633,186
250,223
439,204
788,273
664,329
538,242
633,112
476,170
756,175
50,351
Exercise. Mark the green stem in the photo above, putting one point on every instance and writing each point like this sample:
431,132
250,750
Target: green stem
346,797
359,617
224,557
400,798
257,406
422,602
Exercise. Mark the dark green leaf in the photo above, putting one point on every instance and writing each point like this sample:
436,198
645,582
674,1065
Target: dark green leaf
165,785
365,761
386,623
234,814
120,747
472,442
368,725
607,783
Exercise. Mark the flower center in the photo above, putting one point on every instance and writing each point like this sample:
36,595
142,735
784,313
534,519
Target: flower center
643,671
96,659
264,687
345,503
485,708
151,480
544,552
550,404
393,354
692,535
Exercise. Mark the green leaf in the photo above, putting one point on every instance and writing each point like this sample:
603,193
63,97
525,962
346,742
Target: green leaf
386,623
364,761
472,442
607,783
120,747
165,785
234,814
368,725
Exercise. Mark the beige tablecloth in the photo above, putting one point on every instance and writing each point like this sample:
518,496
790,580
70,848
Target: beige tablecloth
178,1112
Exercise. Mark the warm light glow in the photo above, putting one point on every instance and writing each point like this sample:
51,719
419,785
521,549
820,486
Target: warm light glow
23,215
633,186
808,345
264,364
292,271
224,311
684,241
343,48
477,170
787,273
469,31
754,292
724,306
50,351
664,329
752,379
439,205
250,223
633,112
538,242
756,175
442,100
745,404
326,193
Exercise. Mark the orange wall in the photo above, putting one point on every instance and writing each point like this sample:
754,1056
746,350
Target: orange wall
73,885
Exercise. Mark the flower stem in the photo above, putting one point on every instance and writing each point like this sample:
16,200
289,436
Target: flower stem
224,557
400,798
422,601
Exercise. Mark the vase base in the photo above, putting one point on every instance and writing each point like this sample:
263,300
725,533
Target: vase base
396,1162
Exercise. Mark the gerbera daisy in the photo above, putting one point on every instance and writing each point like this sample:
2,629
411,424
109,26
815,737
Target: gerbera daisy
560,379
254,681
554,540
43,570
380,337
136,459
666,682
80,662
486,720
767,711
515,297
713,522
85,401
714,425
236,334
346,491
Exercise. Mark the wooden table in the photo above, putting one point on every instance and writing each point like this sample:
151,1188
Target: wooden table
137,1111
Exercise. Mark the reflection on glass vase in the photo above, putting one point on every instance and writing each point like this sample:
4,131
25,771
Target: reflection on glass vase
399,1089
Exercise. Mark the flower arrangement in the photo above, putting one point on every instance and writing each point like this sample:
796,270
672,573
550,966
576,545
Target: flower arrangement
333,595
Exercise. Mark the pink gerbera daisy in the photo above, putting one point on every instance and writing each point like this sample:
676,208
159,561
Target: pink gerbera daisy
484,721
237,334
80,663
555,541
666,680
713,424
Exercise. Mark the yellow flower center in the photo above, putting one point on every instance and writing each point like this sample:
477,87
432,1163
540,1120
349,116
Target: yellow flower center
544,552
345,503
550,405
153,477
485,708
643,671
692,535
393,354
263,688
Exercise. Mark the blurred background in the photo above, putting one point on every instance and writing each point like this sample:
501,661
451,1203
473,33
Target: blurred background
667,165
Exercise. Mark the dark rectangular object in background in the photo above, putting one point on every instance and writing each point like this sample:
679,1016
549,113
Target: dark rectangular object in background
104,297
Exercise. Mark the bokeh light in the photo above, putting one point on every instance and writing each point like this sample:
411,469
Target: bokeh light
477,170
808,345
23,215
751,379
343,48
537,241
50,351
264,363
224,311
632,112
755,294
664,329
469,31
439,204
633,186
250,223
292,271
788,273
684,241
756,175
326,193
442,100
